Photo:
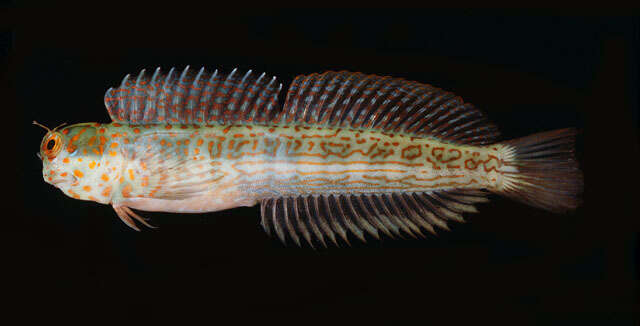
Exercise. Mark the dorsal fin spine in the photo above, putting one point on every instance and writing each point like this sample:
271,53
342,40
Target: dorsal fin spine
242,105
123,100
254,103
197,113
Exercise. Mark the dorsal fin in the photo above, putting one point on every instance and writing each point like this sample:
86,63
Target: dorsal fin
354,100
193,97
332,99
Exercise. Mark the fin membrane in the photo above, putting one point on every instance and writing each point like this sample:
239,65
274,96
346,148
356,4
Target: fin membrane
193,97
329,219
331,99
542,170
354,100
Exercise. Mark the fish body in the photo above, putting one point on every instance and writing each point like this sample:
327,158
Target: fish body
348,153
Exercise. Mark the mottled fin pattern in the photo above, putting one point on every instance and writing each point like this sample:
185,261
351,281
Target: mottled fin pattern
329,219
331,99
541,170
355,100
193,97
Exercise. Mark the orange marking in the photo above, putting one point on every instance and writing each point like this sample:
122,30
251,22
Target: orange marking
73,194
136,130
104,177
126,191
92,164
66,131
131,176
200,141
65,160
78,173
86,188
63,174
113,153
167,127
92,140
114,145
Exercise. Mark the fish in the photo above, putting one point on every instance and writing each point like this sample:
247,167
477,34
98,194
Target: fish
347,156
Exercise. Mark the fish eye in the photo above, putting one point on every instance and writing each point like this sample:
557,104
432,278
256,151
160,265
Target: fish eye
51,145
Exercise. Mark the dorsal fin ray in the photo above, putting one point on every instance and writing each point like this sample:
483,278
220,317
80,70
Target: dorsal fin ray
355,100
193,97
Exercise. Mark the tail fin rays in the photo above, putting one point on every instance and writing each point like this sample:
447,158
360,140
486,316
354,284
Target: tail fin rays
541,170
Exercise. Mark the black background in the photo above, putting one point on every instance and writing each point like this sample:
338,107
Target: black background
67,259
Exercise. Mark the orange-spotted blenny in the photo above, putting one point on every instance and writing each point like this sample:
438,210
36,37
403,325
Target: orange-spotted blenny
349,155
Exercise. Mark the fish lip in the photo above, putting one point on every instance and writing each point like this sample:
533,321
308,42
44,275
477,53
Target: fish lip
56,182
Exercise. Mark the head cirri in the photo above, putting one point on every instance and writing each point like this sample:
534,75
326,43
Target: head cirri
71,161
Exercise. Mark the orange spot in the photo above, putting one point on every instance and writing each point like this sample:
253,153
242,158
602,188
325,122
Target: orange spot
145,181
104,177
196,151
79,159
163,142
115,124
200,141
65,160
186,152
86,188
126,140
102,140
92,198
101,130
186,142
66,131
107,191
143,165
121,179
136,130
78,173
131,176
112,153
114,145
115,135
167,127
63,174
92,140
71,149
92,164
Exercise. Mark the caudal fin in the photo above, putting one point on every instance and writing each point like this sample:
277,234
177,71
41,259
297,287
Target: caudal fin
542,170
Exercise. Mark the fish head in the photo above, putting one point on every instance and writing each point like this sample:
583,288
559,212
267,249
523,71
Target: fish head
71,161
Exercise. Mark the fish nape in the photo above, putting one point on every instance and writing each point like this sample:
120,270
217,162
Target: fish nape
349,156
